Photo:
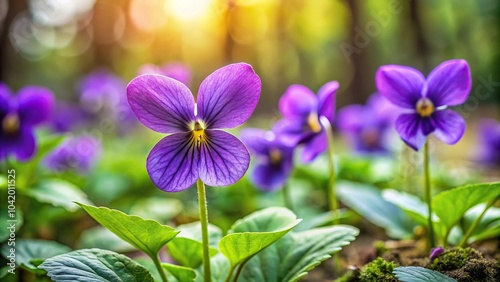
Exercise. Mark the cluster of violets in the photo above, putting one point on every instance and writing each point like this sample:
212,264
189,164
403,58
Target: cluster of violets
413,105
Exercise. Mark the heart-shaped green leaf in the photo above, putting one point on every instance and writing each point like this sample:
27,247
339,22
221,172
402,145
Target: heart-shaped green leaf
27,250
255,232
146,235
187,248
297,253
180,273
420,274
58,193
94,265
451,205
367,200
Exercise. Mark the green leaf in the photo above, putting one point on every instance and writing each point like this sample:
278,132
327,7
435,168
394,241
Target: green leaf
367,200
27,250
450,206
255,232
101,238
296,253
489,225
146,235
94,265
58,193
420,274
160,209
180,273
187,248
411,204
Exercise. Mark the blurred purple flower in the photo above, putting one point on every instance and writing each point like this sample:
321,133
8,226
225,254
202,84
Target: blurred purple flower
19,116
426,100
368,126
177,71
274,159
301,110
436,252
77,154
489,138
103,94
196,148
67,117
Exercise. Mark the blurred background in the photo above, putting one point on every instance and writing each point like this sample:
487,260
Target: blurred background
55,42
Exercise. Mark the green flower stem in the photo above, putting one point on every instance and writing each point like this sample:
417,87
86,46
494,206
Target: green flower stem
286,197
463,242
428,195
331,161
228,277
240,268
156,260
202,203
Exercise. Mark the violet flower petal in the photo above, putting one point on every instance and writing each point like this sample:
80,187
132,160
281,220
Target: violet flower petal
435,252
256,140
351,118
223,159
162,104
269,177
173,163
400,84
314,147
34,104
449,83
450,126
427,125
228,96
409,129
298,102
24,146
326,97
4,100
291,132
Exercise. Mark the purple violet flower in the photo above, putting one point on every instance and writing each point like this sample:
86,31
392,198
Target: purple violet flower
368,127
196,148
67,117
177,71
77,154
427,100
301,110
489,138
436,252
19,116
274,159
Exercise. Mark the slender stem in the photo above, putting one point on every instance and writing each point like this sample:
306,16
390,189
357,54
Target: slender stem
240,268
156,260
446,235
428,195
331,184
286,196
202,203
463,242
228,277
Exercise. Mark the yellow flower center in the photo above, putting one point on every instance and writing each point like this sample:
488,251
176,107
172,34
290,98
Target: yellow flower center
10,124
275,156
313,122
425,107
198,133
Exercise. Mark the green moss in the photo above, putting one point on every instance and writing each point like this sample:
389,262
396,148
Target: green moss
378,270
454,258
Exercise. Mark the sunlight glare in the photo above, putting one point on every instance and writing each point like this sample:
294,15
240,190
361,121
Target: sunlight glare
189,9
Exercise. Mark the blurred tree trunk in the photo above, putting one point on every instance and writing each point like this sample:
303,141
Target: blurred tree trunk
15,7
359,88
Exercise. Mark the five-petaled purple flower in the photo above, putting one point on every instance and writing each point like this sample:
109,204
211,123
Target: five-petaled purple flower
18,117
274,159
489,142
177,71
196,149
368,127
75,154
301,111
427,100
